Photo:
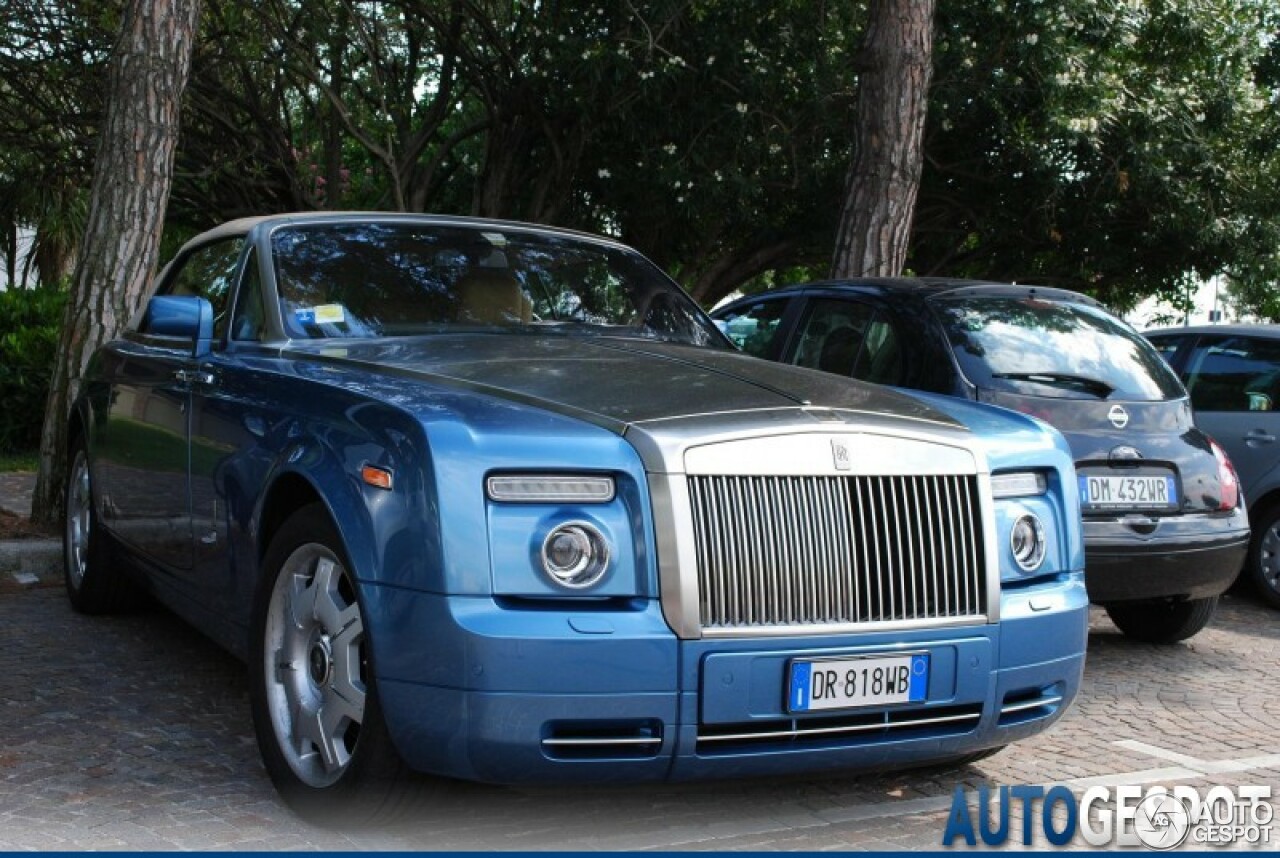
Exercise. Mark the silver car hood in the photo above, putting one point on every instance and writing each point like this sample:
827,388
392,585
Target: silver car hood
632,386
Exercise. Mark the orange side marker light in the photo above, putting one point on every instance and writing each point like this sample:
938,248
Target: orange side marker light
379,478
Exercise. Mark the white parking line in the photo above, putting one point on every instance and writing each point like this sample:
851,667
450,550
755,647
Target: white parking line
1209,767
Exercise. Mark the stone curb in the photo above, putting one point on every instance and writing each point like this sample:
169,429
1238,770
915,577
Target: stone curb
31,562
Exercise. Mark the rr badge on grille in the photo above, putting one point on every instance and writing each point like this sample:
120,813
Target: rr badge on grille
840,453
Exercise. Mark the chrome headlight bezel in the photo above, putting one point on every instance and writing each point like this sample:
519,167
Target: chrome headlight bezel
592,561
1027,542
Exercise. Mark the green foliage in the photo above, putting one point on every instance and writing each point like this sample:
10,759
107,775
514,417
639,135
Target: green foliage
1126,148
29,323
18,462
52,61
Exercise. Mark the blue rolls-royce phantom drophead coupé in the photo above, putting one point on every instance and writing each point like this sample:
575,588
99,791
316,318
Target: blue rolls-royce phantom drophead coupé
499,502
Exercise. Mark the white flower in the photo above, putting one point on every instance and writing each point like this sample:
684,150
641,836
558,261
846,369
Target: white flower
1033,38
710,60
679,199
740,107
774,148
603,173
670,148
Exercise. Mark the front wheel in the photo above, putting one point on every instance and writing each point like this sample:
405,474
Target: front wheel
315,706
1163,622
1263,564
95,580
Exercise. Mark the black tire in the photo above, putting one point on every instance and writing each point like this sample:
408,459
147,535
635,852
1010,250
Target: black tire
1163,622
362,778
95,578
1263,565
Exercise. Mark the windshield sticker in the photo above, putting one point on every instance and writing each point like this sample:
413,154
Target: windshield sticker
322,314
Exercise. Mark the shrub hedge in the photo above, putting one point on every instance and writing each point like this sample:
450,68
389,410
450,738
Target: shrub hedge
30,320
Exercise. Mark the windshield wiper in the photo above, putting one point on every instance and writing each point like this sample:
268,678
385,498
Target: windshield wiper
1096,386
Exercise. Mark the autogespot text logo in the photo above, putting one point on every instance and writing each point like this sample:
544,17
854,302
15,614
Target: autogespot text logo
1157,818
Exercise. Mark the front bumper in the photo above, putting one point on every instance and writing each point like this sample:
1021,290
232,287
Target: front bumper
1190,557
476,690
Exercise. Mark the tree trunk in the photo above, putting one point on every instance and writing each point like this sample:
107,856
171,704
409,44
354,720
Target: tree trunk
127,201
893,89
54,260
11,254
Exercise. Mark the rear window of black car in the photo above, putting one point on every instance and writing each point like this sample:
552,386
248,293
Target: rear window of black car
1050,348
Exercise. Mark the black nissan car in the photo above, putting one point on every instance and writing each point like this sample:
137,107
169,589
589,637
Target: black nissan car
1164,519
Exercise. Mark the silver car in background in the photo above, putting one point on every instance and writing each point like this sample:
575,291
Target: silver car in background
1233,375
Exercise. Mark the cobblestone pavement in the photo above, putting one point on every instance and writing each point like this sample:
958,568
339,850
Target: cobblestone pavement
16,488
134,733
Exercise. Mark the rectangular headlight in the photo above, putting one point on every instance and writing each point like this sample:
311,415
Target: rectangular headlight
1019,484
549,488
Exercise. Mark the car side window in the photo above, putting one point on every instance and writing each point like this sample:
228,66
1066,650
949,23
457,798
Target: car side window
883,357
831,335
209,273
1166,347
1234,374
248,323
755,328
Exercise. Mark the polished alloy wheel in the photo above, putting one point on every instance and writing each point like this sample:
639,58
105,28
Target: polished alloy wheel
1269,556
79,519
315,665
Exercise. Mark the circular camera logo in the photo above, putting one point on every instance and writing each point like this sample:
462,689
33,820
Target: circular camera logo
1162,821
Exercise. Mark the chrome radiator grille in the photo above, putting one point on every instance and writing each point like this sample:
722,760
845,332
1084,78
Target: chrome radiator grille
794,551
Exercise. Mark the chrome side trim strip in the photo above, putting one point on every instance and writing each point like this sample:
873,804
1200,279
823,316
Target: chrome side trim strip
1023,706
656,740
850,728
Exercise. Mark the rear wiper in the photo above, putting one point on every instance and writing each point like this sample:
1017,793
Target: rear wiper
1096,386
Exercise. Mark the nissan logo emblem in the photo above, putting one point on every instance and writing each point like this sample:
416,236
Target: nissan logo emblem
1118,416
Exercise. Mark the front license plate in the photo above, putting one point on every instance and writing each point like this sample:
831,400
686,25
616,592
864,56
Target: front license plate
846,683
1135,492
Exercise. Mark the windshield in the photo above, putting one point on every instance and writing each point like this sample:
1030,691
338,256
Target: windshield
1052,348
396,279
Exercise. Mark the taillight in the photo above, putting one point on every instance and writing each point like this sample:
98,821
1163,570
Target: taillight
1227,478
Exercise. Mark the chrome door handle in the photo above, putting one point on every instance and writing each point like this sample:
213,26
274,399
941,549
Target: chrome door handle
1257,437
194,376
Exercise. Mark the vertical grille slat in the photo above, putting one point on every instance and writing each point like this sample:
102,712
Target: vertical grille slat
792,551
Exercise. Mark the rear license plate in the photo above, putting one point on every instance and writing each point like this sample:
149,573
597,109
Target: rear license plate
846,683
1129,492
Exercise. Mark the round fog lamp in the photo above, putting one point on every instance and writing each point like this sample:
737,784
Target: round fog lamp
575,555
1027,542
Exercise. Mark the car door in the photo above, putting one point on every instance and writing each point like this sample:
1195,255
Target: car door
1234,382
142,448
231,411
